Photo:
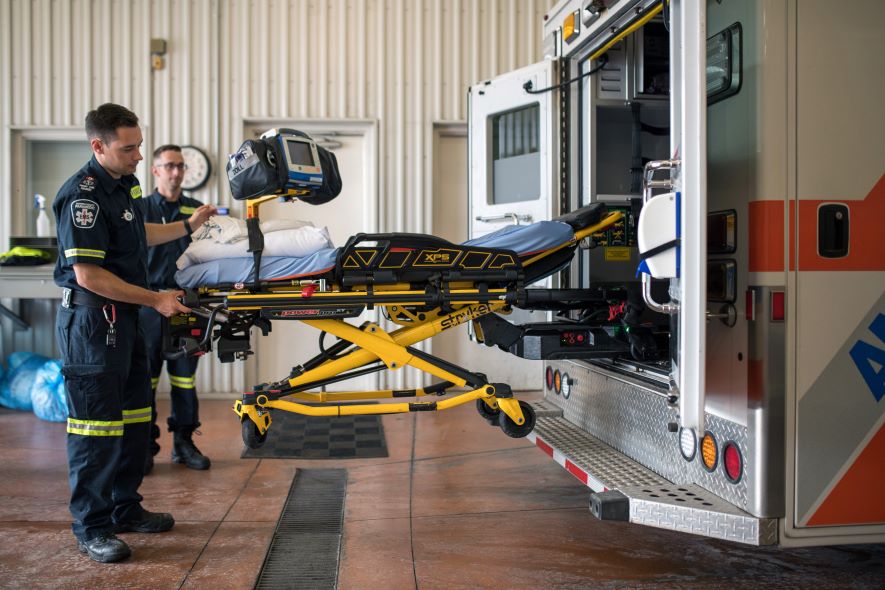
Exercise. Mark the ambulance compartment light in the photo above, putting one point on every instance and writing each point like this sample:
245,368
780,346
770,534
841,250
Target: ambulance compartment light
778,306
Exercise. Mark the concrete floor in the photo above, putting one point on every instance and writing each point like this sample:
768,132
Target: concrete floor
456,505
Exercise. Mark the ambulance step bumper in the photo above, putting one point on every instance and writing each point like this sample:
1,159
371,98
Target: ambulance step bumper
653,500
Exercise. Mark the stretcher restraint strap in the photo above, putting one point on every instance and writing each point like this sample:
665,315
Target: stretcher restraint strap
256,246
658,249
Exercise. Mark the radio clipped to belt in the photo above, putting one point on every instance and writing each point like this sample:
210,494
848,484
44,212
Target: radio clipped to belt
110,316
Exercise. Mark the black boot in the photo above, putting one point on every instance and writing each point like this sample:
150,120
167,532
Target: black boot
185,451
106,548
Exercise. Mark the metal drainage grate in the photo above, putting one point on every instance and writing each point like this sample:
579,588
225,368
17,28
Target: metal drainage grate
305,547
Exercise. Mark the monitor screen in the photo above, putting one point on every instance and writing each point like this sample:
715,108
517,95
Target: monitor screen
300,153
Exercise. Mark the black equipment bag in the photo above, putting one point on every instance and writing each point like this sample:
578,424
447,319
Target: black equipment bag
258,168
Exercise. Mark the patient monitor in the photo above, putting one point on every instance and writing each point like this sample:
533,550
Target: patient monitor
284,162
301,156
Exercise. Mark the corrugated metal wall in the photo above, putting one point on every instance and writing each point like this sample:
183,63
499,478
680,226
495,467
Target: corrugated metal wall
404,63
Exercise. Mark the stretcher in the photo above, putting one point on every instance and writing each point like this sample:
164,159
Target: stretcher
423,285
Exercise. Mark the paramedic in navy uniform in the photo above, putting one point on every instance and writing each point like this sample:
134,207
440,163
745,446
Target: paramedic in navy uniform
167,205
102,269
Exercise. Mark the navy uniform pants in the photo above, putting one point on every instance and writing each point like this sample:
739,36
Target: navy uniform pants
108,393
185,407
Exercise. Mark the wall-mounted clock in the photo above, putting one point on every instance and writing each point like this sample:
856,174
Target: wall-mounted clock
198,168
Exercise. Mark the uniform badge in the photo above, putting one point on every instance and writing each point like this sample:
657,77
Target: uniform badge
127,215
84,213
87,185
135,192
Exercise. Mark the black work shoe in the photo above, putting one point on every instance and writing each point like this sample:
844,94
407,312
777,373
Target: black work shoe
105,548
150,522
185,451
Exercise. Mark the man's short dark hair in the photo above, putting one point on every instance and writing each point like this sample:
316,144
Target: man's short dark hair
102,123
167,147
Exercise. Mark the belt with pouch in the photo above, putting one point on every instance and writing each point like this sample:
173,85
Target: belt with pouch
72,297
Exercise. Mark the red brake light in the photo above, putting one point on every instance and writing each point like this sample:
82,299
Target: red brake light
548,377
733,462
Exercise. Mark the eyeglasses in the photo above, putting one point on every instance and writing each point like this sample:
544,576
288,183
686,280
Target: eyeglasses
170,166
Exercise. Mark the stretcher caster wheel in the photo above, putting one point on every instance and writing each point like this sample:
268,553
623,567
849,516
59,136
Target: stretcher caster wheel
251,437
514,430
490,414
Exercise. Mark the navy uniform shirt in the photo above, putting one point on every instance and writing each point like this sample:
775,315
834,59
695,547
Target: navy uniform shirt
97,223
161,259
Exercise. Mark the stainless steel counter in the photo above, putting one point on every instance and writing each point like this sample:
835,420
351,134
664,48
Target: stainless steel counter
26,282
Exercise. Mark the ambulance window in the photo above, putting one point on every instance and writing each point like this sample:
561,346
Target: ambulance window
724,68
516,156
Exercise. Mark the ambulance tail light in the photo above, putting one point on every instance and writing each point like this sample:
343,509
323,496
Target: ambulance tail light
777,306
557,381
548,378
732,462
709,452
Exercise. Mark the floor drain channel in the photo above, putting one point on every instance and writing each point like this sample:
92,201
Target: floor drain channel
305,546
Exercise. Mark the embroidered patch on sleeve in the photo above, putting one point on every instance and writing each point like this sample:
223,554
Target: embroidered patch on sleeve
87,185
84,213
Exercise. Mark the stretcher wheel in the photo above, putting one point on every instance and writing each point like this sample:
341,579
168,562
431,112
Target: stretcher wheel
490,414
514,430
251,437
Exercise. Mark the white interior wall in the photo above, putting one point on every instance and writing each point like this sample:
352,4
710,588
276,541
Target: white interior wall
404,63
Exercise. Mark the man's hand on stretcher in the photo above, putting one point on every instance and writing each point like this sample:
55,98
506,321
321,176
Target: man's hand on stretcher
106,284
160,233
202,214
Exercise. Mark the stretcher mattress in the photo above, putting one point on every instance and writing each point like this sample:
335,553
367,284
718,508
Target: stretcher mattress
525,240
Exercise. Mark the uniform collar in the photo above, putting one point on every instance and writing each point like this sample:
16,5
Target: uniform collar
161,200
108,182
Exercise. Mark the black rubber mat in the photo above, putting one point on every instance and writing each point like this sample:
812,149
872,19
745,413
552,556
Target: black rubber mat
306,544
296,436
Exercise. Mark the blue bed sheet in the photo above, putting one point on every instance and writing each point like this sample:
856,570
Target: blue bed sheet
522,239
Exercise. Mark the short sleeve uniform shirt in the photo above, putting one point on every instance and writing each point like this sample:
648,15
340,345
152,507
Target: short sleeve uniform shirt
98,223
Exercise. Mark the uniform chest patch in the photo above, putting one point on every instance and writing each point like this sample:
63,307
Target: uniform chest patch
127,215
87,185
84,213
135,192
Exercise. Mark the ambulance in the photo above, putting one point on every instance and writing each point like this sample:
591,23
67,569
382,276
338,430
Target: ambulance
739,392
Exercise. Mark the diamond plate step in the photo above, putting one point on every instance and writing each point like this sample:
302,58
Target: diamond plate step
654,501
544,409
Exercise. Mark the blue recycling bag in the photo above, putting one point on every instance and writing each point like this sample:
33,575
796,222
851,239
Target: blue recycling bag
48,392
15,389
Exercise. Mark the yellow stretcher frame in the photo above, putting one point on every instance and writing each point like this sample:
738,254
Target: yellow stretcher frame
495,401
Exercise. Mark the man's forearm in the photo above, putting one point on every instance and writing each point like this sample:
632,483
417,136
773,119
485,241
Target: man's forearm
160,233
105,283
